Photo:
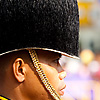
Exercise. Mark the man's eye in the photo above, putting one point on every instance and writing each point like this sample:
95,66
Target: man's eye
56,61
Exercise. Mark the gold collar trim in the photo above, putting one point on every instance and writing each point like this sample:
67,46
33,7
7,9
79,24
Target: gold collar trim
3,98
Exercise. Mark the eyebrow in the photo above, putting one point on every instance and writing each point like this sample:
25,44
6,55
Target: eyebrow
60,55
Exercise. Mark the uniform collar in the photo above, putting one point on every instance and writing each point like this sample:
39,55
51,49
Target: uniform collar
3,98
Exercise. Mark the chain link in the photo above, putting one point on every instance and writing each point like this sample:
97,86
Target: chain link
42,75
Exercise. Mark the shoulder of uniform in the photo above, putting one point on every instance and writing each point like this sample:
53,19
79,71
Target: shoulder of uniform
3,98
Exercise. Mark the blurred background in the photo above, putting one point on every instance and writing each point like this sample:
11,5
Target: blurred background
83,76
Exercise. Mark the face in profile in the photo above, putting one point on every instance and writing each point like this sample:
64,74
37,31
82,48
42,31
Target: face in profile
54,72
28,82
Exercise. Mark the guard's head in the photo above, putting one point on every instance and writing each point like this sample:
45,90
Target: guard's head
21,75
47,26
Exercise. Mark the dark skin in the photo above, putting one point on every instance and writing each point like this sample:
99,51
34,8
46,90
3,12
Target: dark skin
20,81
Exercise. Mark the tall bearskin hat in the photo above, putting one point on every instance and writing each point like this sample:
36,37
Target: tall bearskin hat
39,24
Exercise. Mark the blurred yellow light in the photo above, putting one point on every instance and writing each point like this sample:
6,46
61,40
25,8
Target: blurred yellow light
86,56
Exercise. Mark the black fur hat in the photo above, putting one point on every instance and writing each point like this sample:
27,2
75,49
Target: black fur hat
41,24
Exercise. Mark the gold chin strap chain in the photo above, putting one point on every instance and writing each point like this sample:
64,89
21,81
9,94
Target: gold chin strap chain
42,75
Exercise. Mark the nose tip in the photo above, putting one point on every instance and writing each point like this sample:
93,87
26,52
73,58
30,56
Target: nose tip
62,75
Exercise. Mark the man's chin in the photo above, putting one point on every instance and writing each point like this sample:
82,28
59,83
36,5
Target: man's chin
61,92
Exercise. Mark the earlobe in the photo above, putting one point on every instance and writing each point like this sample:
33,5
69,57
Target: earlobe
19,69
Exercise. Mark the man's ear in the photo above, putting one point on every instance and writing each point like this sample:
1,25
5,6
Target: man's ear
19,69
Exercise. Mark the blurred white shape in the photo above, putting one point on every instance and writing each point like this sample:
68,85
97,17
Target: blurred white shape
69,64
94,66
